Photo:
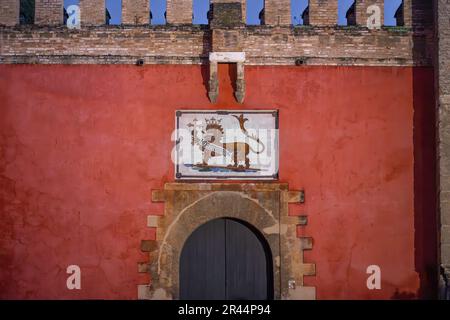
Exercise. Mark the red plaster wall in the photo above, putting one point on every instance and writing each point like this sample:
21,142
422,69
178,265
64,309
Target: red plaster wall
82,146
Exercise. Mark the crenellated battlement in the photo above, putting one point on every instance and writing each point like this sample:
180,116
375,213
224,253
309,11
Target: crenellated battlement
137,12
320,40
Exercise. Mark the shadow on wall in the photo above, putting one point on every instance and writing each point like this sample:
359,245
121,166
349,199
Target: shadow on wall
205,65
403,295
425,217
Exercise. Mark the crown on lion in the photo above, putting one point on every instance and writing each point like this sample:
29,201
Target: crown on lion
214,123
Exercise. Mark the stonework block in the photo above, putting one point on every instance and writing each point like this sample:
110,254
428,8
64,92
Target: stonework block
144,292
49,12
148,245
92,12
143,267
158,196
307,269
295,197
303,220
445,234
445,254
323,12
226,57
302,293
9,12
179,11
152,221
277,12
306,243
445,207
135,12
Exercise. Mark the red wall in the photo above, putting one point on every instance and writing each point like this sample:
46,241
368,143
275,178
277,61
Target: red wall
82,146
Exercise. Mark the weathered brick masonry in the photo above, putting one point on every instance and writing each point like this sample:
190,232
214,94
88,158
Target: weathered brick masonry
92,12
278,12
135,11
181,42
323,12
49,12
9,12
191,44
242,2
443,115
179,11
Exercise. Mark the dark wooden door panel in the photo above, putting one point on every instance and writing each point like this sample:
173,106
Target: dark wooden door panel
202,263
224,259
246,269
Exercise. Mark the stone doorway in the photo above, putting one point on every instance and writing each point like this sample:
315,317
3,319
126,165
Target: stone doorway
261,205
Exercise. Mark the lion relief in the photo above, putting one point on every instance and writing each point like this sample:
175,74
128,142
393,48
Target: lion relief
212,143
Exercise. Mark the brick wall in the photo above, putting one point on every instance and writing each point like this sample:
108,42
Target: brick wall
243,5
323,12
227,40
92,12
9,12
277,12
443,100
407,12
421,13
135,11
49,12
191,44
179,11
225,15
361,10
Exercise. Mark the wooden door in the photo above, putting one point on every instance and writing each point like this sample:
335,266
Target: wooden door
225,259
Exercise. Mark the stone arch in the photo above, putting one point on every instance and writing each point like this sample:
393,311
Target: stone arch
225,204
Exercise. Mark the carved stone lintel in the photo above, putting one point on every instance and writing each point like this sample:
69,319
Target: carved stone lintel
213,90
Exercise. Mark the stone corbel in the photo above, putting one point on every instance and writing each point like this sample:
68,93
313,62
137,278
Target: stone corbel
213,92
240,83
226,57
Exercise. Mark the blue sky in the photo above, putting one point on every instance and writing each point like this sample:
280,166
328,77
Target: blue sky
253,9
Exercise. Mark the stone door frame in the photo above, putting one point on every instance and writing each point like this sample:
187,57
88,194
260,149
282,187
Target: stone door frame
190,205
